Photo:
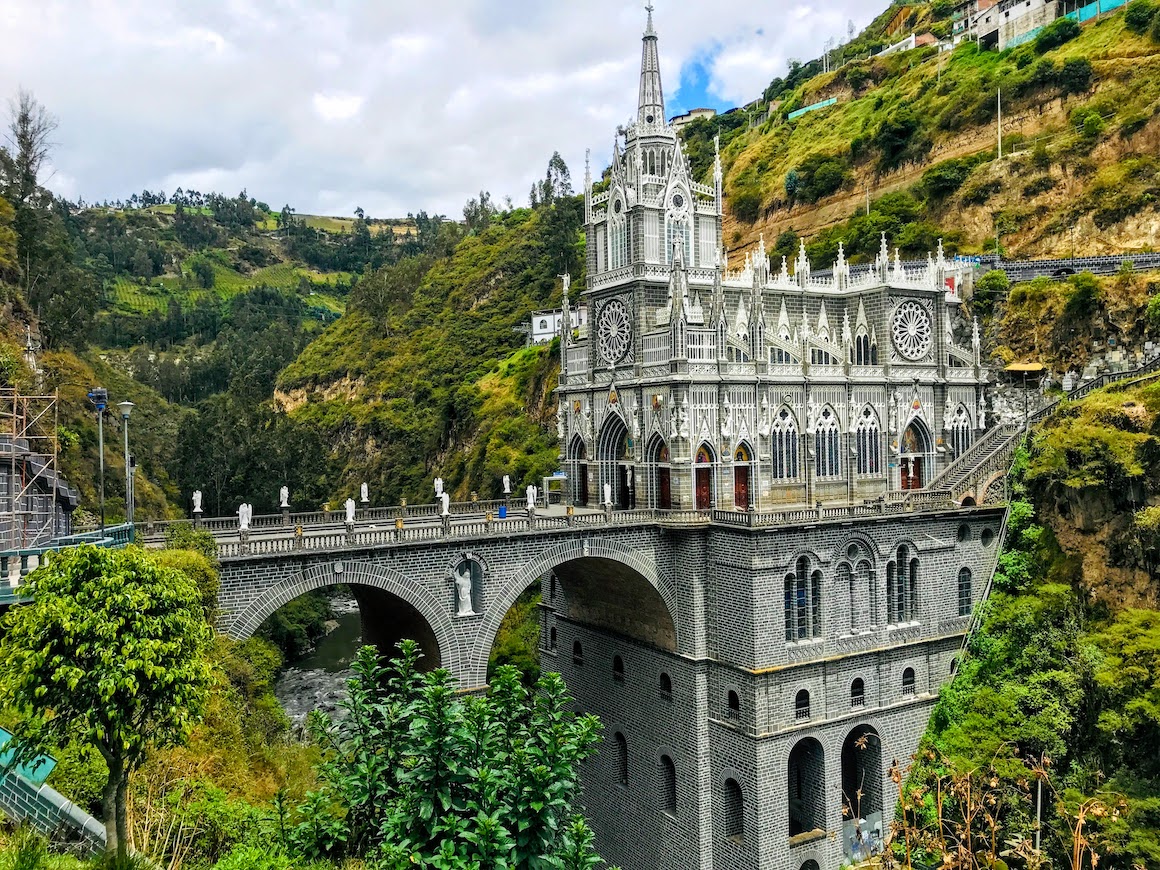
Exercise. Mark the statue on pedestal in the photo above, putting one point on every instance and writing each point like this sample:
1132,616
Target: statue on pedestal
463,586
507,485
438,487
245,514
350,510
284,497
446,499
364,494
533,496
197,501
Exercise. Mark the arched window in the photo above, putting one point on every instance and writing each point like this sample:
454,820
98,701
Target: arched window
552,638
902,587
621,758
734,811
677,233
858,693
618,669
618,240
577,653
964,592
846,584
803,602
908,681
666,686
734,703
912,592
827,461
668,785
784,446
862,349
865,581
801,705
891,594
869,442
543,324
959,426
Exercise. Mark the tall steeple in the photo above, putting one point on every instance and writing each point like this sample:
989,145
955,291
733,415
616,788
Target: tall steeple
651,108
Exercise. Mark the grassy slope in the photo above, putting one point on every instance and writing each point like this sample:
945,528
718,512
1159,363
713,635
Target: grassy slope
1127,71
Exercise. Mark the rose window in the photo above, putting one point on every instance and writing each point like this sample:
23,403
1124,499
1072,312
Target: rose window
614,332
912,330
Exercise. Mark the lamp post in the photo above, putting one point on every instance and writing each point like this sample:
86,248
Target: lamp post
99,396
126,409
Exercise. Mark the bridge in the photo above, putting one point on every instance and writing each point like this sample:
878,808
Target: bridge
1027,270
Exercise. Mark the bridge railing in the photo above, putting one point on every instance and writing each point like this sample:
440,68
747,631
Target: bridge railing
18,563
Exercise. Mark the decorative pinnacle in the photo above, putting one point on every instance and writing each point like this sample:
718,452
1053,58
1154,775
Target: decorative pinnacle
649,8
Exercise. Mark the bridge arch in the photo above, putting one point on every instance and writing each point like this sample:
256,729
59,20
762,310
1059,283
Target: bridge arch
440,645
614,557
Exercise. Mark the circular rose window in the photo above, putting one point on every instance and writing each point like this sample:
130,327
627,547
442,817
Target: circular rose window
614,332
912,331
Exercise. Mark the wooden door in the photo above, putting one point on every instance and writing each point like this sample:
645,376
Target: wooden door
741,486
665,487
582,470
704,489
916,473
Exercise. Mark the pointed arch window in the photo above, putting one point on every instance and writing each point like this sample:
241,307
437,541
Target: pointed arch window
960,430
784,446
846,584
677,232
827,461
902,587
869,443
621,759
803,602
618,240
862,348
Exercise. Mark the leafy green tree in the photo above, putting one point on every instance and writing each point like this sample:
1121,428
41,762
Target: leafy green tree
419,775
1056,34
990,287
1139,16
111,651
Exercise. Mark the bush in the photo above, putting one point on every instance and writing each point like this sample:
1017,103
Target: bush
1039,185
981,191
856,77
945,178
254,858
1058,32
1138,18
197,568
747,206
989,288
1075,76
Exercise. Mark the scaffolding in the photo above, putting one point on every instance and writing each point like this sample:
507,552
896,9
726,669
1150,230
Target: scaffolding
29,481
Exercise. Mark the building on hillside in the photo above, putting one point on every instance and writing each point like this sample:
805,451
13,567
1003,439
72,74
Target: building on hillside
704,384
1004,24
915,40
545,325
679,121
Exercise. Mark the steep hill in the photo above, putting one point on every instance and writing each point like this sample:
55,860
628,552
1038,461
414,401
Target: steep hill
1080,134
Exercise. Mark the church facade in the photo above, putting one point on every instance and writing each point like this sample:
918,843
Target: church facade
698,386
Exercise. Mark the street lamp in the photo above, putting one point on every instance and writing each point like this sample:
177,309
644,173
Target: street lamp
126,409
99,396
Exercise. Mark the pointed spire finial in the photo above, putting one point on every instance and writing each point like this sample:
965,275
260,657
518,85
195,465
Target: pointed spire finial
649,7
651,102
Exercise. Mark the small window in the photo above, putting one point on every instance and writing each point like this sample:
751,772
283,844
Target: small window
858,693
908,681
964,533
801,706
734,705
618,669
965,599
668,785
734,811
987,537
543,324
552,638
621,759
666,686
577,653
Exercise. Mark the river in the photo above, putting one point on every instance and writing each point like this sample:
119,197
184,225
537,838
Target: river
318,681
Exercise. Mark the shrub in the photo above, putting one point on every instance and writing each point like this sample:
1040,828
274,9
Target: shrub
1075,76
254,858
747,205
1138,18
989,288
1058,32
197,568
856,77
1039,185
981,191
945,178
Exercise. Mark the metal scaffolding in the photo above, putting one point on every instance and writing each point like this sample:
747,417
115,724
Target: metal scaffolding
28,471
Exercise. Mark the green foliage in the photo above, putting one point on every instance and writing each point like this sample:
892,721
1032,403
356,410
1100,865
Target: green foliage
182,536
1055,34
111,651
945,178
1138,18
517,643
416,773
295,627
990,287
747,202
195,565
254,858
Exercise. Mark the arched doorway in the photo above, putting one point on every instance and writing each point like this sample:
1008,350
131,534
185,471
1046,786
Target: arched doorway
742,468
617,480
703,477
916,456
662,485
806,788
578,470
862,785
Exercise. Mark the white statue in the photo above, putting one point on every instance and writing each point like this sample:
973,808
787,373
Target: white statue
507,485
445,497
364,493
245,512
813,412
727,420
197,501
463,589
438,487
765,424
560,421
892,408
586,423
982,423
350,510
284,497
532,496
608,494
948,412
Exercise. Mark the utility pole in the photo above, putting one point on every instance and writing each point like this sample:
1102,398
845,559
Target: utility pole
1000,105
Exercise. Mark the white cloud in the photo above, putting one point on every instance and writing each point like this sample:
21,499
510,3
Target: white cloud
392,107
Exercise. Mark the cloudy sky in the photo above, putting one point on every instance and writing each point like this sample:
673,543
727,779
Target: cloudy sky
388,105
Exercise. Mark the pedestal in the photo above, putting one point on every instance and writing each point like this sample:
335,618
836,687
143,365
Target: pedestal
349,533
286,515
197,519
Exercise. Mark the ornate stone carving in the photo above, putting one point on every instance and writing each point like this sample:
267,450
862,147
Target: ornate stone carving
911,330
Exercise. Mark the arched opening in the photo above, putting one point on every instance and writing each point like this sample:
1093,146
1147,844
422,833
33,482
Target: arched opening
858,693
662,486
578,470
577,653
801,705
618,669
908,681
733,816
968,502
617,484
810,865
862,787
807,778
916,455
552,638
621,744
666,686
733,702
742,471
704,462
668,786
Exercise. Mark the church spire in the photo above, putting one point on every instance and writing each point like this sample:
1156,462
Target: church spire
651,107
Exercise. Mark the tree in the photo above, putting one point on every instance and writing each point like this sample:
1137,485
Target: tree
417,774
989,288
111,651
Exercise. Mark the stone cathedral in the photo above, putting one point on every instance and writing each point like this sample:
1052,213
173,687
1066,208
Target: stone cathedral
700,386
772,418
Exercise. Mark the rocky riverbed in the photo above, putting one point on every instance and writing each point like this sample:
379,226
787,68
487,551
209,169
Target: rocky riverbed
318,681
